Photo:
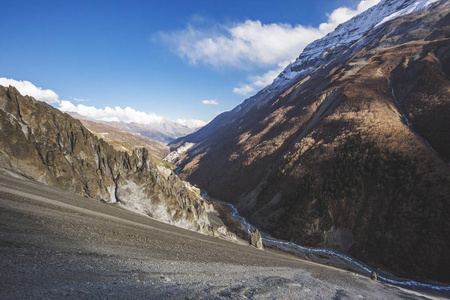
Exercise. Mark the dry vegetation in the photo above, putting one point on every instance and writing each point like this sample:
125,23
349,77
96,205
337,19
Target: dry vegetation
337,149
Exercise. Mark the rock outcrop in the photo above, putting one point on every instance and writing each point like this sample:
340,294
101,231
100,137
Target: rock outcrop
374,276
43,144
349,147
256,239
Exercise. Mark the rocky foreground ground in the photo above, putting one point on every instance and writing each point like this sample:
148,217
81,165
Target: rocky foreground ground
58,245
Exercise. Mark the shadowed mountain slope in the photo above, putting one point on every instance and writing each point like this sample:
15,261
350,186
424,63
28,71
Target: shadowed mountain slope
349,147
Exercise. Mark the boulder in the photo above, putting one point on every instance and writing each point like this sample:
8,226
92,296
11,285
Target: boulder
256,239
374,275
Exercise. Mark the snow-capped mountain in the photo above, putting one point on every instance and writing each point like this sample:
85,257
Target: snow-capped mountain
350,36
343,42
160,130
348,148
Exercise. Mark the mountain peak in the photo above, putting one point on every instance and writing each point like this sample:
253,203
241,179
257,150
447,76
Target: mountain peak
349,35
351,138
345,40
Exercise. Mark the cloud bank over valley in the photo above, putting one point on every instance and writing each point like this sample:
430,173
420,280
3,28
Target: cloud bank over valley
117,113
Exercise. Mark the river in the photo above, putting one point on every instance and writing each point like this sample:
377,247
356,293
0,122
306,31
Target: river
296,248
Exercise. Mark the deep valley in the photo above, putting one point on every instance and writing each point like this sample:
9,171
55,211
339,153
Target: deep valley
56,244
332,182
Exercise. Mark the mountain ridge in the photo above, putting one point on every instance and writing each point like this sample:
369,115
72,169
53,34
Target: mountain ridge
164,132
122,140
39,142
302,67
328,152
306,64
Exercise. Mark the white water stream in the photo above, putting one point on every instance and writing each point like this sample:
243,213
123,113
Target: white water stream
301,249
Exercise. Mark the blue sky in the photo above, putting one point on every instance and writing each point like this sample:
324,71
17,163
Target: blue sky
159,57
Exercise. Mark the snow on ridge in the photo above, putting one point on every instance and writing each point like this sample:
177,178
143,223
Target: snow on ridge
356,28
191,123
416,6
345,35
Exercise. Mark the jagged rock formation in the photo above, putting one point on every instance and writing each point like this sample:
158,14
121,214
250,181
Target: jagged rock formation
256,239
349,147
174,155
46,145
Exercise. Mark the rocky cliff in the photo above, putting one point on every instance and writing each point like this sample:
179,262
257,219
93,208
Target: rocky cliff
348,148
46,145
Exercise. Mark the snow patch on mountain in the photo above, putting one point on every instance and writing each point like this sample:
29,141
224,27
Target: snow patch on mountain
350,32
348,35
416,6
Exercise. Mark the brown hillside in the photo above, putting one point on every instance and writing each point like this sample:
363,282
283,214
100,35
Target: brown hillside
331,161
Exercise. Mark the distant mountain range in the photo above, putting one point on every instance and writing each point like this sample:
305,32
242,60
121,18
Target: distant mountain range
349,147
121,139
163,132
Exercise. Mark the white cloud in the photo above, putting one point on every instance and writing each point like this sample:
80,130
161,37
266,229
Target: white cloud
366,4
127,114
242,45
117,113
191,123
110,119
267,78
343,14
259,81
244,89
79,99
27,88
338,16
252,44
213,102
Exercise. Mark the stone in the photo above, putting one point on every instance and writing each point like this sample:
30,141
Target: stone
256,239
374,275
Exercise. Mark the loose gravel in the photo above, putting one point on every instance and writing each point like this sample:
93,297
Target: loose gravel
55,245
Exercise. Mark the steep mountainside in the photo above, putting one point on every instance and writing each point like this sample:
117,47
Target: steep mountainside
349,147
123,140
46,145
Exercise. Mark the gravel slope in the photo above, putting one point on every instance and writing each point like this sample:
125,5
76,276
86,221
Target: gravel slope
58,245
